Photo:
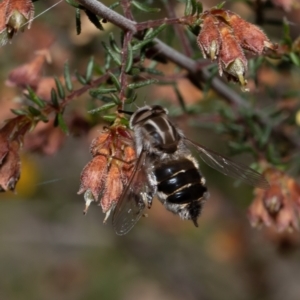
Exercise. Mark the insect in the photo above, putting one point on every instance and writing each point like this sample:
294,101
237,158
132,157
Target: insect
165,167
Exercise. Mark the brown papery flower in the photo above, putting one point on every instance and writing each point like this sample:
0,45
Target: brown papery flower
104,178
279,206
29,73
224,36
18,13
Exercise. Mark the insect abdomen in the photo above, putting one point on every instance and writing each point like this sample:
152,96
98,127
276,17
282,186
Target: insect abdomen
180,181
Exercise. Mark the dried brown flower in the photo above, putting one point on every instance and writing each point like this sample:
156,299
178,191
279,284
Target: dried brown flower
9,158
248,35
224,36
30,73
18,13
109,171
10,168
209,39
94,175
231,59
11,138
278,206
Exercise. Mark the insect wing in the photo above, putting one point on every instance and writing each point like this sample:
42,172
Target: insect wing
131,204
229,167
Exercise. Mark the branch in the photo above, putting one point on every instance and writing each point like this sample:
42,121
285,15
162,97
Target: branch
108,14
194,68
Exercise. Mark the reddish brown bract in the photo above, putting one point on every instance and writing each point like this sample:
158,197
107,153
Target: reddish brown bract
107,174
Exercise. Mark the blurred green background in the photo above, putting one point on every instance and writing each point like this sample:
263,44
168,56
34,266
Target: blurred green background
49,250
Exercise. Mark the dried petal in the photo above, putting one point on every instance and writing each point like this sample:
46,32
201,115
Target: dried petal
257,212
27,74
110,169
10,168
209,39
278,206
231,59
94,175
113,188
101,143
249,36
4,146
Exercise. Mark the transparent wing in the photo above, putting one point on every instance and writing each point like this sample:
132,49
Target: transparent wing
229,167
131,204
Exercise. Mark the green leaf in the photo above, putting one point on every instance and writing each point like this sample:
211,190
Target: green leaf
131,96
115,57
113,43
140,84
33,111
109,118
89,70
73,3
150,35
180,98
94,19
219,6
114,5
188,8
115,80
129,61
141,44
60,88
67,76
80,78
34,98
286,32
115,99
101,91
77,21
104,107
19,112
54,98
144,7
295,59
199,8
61,123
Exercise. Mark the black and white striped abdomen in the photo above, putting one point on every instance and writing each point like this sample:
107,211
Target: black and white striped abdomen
180,181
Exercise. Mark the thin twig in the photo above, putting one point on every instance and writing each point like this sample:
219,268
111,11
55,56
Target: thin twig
126,9
108,14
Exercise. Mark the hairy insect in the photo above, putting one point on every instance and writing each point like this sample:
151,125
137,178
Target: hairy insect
165,167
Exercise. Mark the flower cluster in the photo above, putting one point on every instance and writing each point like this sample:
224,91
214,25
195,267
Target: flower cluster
14,14
224,37
106,175
278,206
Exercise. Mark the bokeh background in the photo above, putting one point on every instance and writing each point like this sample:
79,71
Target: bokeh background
49,250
